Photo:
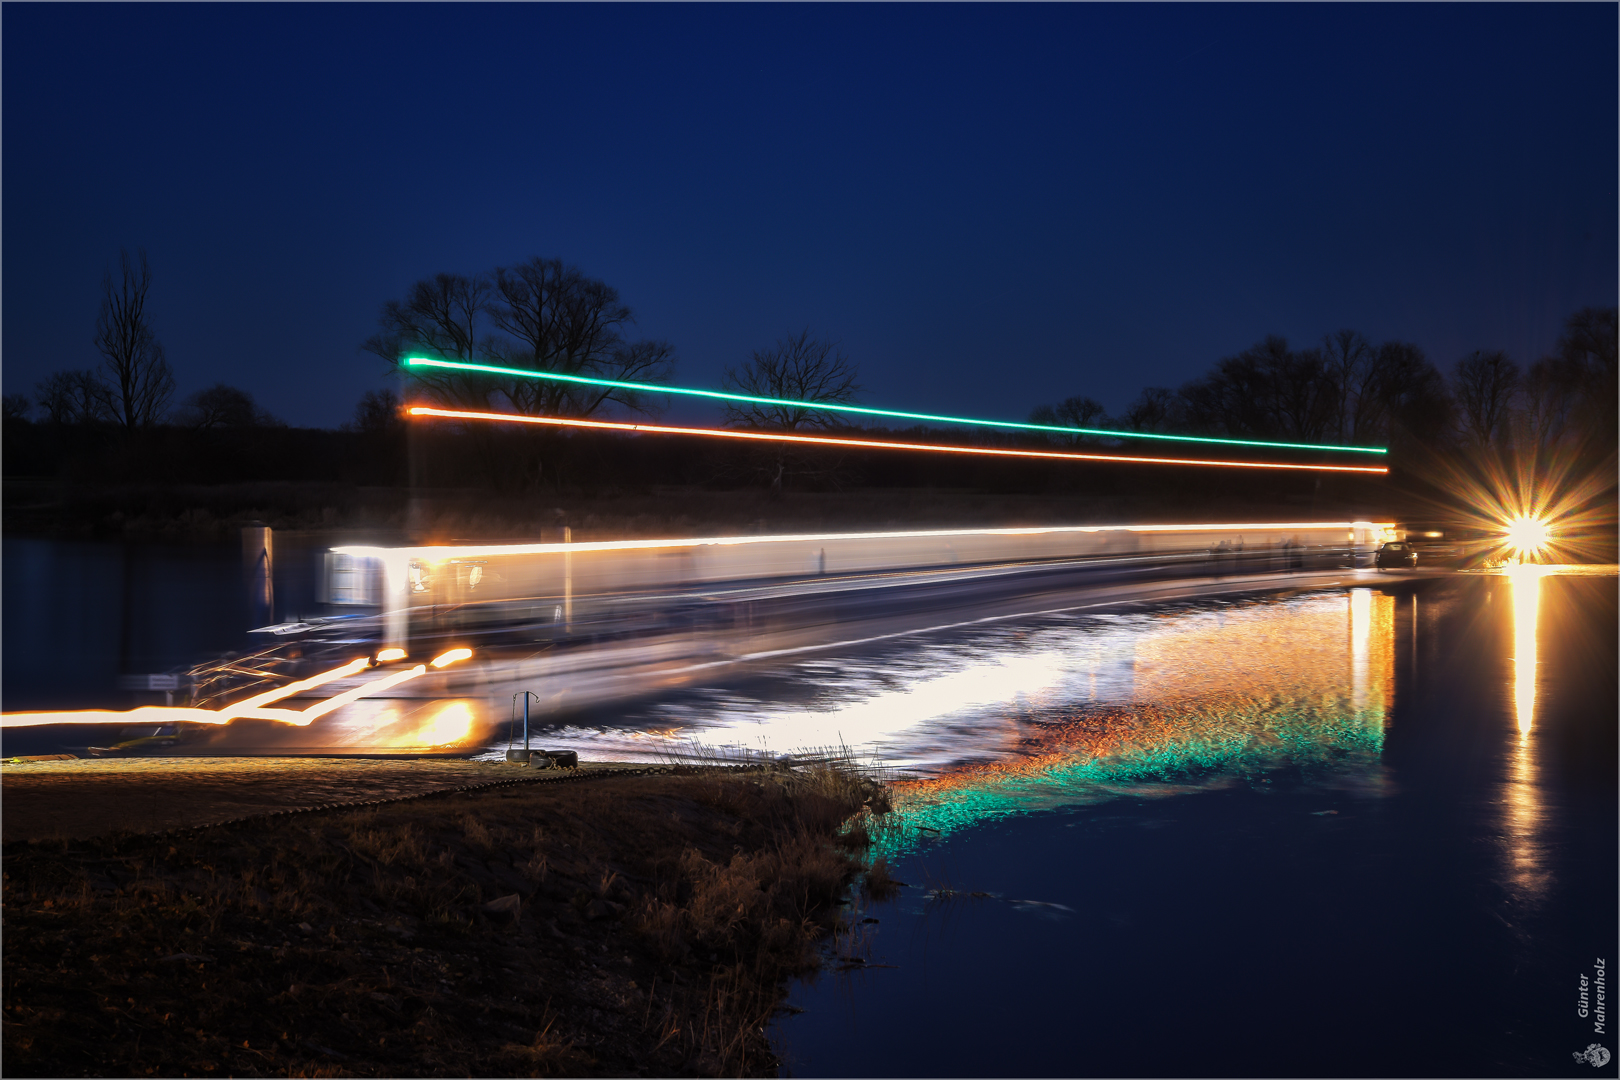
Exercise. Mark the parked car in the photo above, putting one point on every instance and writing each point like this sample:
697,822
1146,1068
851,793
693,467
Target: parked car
1396,553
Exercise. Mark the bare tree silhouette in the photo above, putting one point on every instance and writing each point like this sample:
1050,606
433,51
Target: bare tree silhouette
1266,391
224,406
559,320
442,317
1485,386
1348,362
799,368
1156,409
377,411
1586,355
139,377
74,397
541,315
1079,411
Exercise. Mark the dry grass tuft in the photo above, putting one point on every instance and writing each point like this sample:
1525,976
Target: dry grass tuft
878,883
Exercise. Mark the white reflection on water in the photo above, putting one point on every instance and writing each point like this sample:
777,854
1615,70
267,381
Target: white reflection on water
977,695
1192,687
1360,644
1526,613
1523,812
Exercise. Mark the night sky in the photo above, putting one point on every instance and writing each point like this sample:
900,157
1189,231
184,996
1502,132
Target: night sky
990,207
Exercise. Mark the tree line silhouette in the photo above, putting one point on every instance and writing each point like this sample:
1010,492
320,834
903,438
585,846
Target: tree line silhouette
119,423
1348,391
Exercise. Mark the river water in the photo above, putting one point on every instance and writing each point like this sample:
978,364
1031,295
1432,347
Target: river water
1355,831
1360,832
78,614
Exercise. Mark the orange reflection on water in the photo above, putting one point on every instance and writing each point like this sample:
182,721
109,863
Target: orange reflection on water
403,724
1521,796
447,727
1215,695
1526,581
1242,655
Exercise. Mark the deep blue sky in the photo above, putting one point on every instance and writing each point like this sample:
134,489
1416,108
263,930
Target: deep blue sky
991,207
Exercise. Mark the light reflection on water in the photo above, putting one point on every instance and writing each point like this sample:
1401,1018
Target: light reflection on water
1072,709
1492,861
1521,798
1217,697
403,724
1526,613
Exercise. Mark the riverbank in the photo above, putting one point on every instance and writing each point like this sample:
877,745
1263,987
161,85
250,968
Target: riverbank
212,513
615,925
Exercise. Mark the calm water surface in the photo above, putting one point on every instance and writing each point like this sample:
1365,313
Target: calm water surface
76,615
1368,831
1356,833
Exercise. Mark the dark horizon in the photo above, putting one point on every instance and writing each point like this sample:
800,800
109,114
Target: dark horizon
990,208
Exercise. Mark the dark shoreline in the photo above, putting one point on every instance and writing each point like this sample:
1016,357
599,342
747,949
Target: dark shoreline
631,925
198,513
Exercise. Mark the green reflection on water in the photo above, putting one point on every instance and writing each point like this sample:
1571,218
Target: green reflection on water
1217,699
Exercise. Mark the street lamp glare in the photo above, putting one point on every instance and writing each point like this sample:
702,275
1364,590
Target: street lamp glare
1528,535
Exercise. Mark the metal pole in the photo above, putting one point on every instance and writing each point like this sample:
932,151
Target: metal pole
525,721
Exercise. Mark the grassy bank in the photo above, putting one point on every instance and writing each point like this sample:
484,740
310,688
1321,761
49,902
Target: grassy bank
627,926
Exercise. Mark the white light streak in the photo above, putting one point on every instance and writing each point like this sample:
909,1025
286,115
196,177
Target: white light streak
401,556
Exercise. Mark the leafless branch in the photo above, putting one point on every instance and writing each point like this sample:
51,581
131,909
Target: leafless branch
140,379
799,368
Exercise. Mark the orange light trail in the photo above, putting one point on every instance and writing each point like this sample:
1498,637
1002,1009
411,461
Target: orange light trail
874,444
320,709
242,708
249,708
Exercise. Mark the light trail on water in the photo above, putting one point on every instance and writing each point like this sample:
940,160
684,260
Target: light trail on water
1066,707
1526,581
1522,802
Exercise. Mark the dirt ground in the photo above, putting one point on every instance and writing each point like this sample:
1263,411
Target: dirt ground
618,925
95,796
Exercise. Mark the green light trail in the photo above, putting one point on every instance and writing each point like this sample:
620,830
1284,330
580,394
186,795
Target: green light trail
492,369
